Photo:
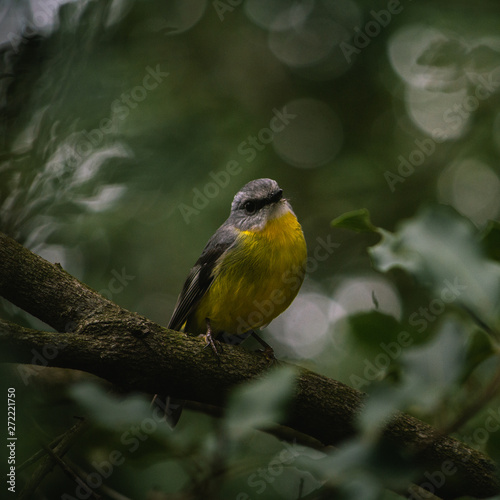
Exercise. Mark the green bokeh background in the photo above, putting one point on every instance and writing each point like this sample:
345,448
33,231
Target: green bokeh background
96,171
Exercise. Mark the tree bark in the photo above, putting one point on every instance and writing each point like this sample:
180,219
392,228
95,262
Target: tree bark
97,336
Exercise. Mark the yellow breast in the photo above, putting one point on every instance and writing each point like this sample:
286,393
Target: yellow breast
257,280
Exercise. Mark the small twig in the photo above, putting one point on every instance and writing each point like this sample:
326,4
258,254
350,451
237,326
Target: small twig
39,454
67,440
71,473
103,488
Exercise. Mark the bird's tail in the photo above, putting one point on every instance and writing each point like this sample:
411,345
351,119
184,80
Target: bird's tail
169,408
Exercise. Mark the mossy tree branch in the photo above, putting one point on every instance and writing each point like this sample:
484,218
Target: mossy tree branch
97,336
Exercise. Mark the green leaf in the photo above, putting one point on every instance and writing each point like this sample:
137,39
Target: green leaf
429,373
374,328
260,403
432,371
357,220
441,249
361,468
442,53
390,252
114,413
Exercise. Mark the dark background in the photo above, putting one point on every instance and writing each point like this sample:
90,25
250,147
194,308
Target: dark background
128,126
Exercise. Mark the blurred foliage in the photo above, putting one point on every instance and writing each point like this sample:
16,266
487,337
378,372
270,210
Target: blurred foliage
127,126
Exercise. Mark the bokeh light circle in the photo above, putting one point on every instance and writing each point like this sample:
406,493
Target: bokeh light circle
367,293
473,188
306,324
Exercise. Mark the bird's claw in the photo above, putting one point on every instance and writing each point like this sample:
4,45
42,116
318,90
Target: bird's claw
213,343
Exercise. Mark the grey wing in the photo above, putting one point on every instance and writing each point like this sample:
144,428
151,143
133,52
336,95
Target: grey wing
200,277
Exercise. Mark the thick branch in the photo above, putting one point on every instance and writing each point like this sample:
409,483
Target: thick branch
137,354
45,290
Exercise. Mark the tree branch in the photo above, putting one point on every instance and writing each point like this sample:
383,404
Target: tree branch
45,290
137,354
48,462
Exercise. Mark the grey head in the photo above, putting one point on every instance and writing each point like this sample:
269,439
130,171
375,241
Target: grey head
256,203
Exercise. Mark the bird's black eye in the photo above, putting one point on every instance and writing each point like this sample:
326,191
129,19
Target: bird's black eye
250,207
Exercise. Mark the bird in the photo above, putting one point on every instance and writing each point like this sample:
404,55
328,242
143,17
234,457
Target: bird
249,272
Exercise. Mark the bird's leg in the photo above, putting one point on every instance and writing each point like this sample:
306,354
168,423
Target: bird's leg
210,340
268,351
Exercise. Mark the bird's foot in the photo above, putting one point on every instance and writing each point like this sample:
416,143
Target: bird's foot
212,342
